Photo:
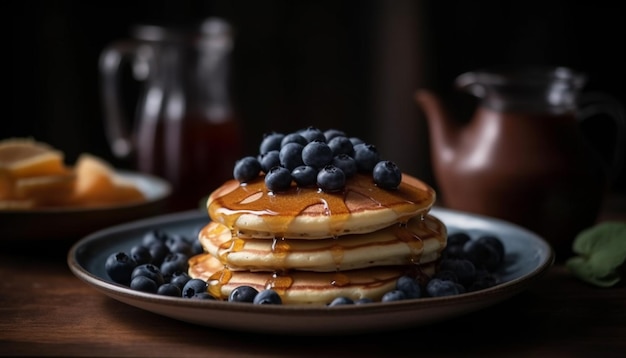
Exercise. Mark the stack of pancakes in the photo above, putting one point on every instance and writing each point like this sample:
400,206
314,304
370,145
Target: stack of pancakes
312,246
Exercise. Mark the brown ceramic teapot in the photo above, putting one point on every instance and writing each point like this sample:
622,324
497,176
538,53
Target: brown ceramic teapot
523,156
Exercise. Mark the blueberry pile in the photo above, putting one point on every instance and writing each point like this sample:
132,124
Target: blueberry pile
466,265
312,157
159,265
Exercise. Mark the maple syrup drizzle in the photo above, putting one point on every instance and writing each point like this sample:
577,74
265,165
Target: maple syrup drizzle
422,228
340,280
279,282
337,252
237,199
217,280
279,209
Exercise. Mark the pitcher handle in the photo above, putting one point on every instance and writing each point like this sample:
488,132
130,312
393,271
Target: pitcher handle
116,120
597,103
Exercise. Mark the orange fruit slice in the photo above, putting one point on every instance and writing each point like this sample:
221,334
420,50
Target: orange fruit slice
45,190
25,157
22,158
98,183
33,174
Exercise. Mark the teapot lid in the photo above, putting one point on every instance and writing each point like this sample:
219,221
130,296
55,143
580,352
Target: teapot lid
530,87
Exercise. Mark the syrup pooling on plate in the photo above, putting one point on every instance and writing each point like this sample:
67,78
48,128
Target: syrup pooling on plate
278,210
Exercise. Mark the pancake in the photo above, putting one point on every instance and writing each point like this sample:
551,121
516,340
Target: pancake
305,287
251,210
420,241
311,245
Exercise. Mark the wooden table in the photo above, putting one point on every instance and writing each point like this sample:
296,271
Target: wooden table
46,311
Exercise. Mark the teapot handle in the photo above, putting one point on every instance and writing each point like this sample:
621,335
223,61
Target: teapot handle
116,120
471,82
592,104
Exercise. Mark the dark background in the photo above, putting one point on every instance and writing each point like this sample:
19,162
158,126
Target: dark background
353,65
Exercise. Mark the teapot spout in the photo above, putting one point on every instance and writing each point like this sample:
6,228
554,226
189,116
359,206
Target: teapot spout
443,130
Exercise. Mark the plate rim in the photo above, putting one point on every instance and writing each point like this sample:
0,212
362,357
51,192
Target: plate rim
164,192
122,293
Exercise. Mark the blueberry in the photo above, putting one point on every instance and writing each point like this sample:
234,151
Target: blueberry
446,275
394,295
141,254
494,242
293,138
312,134
194,286
387,175
246,169
458,238
341,300
169,289
243,294
483,280
453,252
179,244
317,154
482,254
331,133
154,236
439,288
331,178
464,270
341,145
267,297
291,155
180,279
174,262
150,271
269,160
356,140
454,246
346,163
363,300
143,284
366,156
158,251
119,266
409,286
304,176
196,248
278,179
202,296
271,142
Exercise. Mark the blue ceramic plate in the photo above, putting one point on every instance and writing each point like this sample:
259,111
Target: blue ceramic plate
527,258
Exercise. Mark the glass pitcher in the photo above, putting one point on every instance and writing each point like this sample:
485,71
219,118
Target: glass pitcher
184,129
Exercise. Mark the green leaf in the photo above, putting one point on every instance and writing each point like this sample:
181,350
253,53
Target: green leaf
601,250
